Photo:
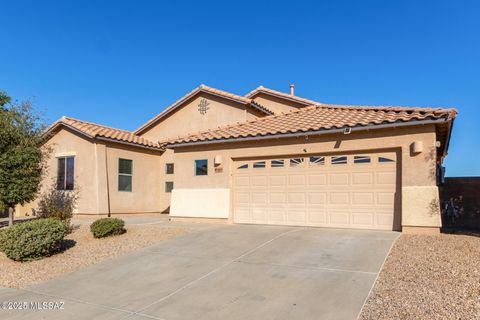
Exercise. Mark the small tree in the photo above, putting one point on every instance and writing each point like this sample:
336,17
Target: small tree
21,153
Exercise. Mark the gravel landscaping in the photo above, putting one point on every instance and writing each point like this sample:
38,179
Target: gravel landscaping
428,277
86,250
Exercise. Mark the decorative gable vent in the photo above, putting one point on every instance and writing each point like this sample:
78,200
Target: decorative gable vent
203,106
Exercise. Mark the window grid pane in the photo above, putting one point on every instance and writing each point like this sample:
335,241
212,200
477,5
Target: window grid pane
169,168
125,166
70,175
61,174
168,186
124,182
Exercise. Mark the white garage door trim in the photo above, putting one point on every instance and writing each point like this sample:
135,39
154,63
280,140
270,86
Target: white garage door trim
342,191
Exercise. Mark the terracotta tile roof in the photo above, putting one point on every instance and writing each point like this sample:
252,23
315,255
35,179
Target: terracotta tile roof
260,89
93,131
204,88
316,118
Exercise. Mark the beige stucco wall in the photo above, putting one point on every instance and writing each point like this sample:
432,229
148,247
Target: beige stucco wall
98,187
69,143
277,105
416,169
187,119
146,187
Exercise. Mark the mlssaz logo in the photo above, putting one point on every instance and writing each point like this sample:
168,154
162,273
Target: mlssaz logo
203,106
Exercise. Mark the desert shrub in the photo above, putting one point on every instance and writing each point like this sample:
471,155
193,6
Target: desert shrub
107,227
32,239
58,204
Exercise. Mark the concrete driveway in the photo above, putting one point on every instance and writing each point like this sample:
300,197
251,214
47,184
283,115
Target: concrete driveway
222,272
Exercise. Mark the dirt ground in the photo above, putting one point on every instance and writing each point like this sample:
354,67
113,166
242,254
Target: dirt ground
83,250
428,277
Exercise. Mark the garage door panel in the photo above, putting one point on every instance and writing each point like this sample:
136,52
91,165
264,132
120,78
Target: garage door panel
278,198
242,181
259,214
362,178
338,218
317,216
317,198
277,181
242,215
296,197
339,179
357,194
242,198
258,181
385,198
339,198
296,180
384,219
317,180
363,198
296,216
363,218
386,178
276,215
259,198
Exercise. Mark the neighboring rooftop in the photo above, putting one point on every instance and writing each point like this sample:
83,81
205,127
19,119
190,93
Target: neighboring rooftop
291,96
97,131
317,118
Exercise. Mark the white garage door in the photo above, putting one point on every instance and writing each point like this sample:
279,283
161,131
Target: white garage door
344,191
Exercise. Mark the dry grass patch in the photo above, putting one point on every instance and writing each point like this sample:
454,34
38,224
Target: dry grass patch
428,277
86,250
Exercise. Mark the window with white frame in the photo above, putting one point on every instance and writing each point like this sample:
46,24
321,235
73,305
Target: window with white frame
125,175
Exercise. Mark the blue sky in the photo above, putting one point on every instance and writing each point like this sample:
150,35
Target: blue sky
120,63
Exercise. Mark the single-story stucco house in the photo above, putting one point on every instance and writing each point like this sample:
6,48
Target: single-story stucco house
264,158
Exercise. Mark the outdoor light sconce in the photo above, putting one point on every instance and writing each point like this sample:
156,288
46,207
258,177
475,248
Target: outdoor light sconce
416,147
217,161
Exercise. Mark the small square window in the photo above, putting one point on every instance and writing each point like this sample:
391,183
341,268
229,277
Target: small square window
201,167
168,186
169,168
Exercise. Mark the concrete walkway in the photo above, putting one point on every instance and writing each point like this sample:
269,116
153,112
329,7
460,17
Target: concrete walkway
222,272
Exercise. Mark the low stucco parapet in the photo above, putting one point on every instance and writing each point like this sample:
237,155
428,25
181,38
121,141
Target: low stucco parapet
200,203
420,207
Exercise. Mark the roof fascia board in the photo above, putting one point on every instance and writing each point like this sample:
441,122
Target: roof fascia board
311,133
69,127
293,99
129,144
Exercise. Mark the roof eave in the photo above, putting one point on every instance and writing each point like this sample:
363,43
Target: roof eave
136,145
309,133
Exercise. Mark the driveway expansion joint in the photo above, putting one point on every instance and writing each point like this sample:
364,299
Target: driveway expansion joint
324,269
212,272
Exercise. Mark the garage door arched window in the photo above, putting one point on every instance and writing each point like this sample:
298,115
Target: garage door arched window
296,162
339,160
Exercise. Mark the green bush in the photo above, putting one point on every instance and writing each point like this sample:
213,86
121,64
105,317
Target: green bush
32,239
58,204
107,227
